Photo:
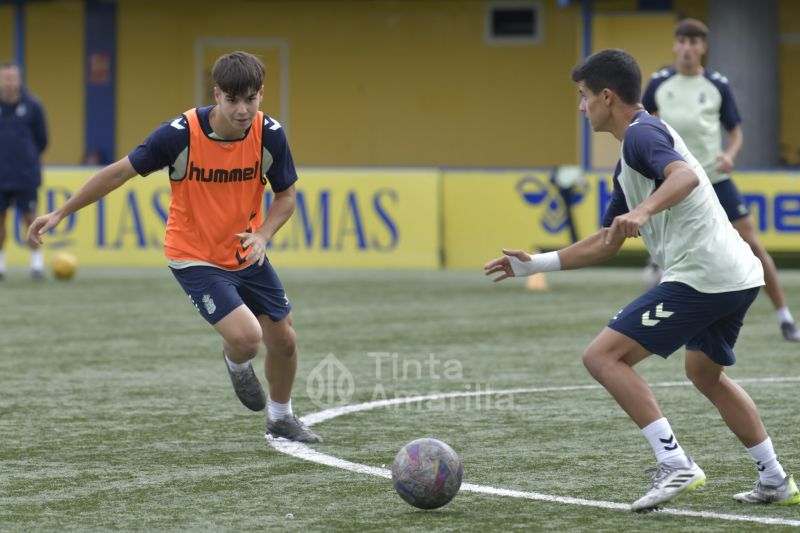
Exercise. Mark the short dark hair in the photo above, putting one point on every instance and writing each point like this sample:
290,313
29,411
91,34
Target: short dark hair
691,28
238,73
613,69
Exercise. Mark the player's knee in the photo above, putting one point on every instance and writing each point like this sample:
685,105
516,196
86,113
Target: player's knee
283,342
594,362
703,381
693,377
246,342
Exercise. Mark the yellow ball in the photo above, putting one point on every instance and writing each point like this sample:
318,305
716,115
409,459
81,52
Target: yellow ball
64,265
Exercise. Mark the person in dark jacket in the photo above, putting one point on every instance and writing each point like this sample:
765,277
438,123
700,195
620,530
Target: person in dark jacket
23,138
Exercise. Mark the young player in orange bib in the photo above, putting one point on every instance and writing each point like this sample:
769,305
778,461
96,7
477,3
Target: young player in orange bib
219,159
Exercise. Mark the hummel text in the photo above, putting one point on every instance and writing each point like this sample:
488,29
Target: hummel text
222,175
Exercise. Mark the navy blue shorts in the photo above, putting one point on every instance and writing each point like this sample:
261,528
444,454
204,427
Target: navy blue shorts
216,292
26,200
731,200
673,314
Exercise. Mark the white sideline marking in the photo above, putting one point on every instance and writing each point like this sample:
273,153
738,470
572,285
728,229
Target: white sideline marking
303,451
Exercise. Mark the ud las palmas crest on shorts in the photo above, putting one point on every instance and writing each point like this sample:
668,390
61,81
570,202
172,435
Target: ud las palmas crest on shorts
208,303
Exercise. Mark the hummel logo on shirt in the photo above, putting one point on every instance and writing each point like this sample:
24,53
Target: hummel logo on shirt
222,175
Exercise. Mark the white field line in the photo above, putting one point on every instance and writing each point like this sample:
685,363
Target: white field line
303,451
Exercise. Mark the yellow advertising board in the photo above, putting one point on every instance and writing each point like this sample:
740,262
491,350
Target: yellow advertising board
124,228
380,218
343,218
774,202
362,218
487,210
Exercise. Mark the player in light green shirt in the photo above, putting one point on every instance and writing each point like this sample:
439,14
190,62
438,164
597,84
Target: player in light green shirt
699,104
711,278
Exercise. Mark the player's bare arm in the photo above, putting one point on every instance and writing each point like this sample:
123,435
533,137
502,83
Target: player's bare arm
280,211
588,251
679,181
502,265
102,183
735,142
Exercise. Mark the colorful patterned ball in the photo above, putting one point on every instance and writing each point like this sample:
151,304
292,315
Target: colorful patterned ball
427,473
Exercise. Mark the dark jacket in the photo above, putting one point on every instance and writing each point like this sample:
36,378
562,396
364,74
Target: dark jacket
23,137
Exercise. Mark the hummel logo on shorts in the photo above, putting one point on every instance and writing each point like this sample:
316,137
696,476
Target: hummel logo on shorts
660,313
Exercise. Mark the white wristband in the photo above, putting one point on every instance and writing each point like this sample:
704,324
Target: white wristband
548,262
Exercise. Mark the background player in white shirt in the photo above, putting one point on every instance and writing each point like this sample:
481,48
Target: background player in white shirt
699,104
710,279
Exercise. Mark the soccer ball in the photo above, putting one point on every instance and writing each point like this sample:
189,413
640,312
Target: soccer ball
64,265
427,473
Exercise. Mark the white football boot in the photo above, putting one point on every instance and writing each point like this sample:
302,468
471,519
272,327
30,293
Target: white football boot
669,483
